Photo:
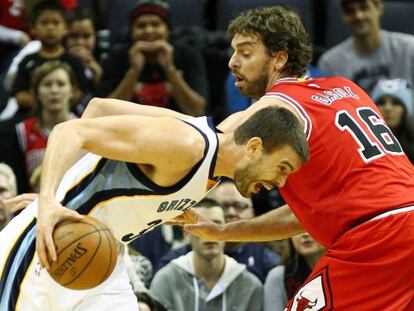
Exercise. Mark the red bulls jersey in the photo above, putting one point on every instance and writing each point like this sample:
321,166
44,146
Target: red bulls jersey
357,168
32,141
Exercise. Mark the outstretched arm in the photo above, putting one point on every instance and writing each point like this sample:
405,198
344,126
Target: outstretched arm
136,139
276,224
101,107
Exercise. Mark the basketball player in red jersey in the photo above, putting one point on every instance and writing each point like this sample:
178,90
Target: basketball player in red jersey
356,194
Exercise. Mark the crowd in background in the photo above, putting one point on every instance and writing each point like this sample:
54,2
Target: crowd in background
57,54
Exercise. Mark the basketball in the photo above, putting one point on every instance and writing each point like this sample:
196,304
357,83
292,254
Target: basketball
86,253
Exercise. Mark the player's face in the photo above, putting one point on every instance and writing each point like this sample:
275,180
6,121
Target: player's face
55,91
305,245
363,17
265,171
206,249
149,27
82,33
250,65
392,111
50,28
235,206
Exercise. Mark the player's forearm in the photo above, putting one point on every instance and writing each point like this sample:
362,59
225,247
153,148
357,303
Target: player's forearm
101,107
63,148
277,224
187,99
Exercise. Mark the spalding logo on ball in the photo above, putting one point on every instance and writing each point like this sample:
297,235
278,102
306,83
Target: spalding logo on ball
86,253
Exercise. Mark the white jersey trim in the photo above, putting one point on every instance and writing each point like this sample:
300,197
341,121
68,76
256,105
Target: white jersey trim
393,212
297,107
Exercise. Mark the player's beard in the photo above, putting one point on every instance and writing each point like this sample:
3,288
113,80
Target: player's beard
243,178
257,88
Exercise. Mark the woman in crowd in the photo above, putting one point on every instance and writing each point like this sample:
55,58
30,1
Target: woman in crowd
53,85
283,281
394,99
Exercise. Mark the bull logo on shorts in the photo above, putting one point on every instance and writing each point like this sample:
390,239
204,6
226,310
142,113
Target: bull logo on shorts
304,303
314,295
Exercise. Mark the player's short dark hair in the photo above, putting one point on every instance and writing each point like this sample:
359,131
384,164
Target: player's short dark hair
276,127
280,30
208,203
46,5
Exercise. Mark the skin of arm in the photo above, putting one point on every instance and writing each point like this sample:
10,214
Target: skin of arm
234,120
137,139
277,224
100,107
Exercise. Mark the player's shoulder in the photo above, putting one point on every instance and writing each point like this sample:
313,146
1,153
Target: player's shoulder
186,140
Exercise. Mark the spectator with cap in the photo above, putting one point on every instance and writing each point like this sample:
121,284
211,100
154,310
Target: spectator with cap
371,53
153,71
394,99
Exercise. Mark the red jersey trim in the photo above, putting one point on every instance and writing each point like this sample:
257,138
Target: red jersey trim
298,108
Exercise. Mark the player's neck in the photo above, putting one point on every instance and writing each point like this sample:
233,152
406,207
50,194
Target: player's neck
275,77
228,155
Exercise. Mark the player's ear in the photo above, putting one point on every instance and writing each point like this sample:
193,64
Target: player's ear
254,147
279,60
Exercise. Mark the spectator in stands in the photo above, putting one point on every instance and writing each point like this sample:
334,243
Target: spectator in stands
284,280
81,41
139,269
371,53
159,242
53,87
394,99
258,259
13,30
8,189
48,24
207,279
153,71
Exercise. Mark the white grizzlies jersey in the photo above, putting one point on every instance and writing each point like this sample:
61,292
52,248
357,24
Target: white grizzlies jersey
119,194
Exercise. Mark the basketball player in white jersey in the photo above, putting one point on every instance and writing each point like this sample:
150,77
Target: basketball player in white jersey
140,172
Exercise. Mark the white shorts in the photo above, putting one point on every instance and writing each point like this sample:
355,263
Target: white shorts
24,287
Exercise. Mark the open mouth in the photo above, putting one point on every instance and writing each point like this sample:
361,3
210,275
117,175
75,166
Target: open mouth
239,79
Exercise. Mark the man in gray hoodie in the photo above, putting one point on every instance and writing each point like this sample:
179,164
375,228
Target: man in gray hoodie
206,279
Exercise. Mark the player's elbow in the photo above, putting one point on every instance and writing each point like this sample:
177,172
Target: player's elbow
69,131
94,108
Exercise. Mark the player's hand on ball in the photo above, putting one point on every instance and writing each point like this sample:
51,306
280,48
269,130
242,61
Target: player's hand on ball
50,213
